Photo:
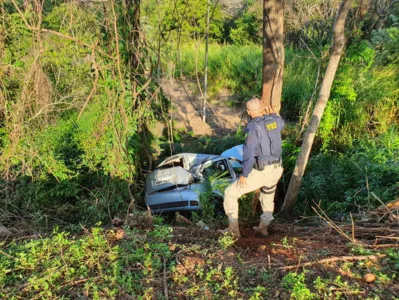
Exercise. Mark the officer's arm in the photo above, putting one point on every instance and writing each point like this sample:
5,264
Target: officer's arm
249,151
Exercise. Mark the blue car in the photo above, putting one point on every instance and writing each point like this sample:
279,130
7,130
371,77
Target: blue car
177,182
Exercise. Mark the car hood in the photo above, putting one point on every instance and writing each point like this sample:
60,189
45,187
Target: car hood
166,179
177,171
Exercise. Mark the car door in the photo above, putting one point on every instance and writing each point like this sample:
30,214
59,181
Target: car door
235,167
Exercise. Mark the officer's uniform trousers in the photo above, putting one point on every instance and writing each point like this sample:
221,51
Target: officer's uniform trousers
265,180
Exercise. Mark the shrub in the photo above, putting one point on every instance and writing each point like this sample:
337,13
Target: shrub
345,181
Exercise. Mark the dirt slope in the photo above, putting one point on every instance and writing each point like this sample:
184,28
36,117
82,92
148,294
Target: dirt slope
187,110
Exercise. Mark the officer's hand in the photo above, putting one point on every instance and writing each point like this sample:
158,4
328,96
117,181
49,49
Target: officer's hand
242,182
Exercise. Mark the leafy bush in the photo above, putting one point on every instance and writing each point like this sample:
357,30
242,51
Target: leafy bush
211,196
71,138
344,182
364,98
55,266
86,199
246,29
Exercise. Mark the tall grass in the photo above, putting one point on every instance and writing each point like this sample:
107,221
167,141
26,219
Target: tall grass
238,68
300,72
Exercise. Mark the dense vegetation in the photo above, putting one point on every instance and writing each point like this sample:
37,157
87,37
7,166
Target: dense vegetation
76,139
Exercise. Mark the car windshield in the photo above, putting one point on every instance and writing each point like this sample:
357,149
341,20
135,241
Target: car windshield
217,168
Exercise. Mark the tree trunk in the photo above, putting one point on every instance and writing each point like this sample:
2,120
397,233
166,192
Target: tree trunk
324,94
136,35
273,53
273,61
132,33
206,63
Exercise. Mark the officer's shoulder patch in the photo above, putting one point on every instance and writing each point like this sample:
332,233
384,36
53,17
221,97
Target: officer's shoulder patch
271,126
270,122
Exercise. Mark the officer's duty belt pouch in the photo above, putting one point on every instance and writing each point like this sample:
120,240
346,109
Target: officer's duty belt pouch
260,164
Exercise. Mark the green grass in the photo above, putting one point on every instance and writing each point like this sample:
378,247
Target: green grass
238,68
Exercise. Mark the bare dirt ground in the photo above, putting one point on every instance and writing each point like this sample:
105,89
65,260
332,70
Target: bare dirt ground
317,251
187,105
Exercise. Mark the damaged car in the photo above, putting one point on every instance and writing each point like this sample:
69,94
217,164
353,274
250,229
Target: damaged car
177,182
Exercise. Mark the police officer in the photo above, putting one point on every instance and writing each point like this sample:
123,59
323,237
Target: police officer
262,167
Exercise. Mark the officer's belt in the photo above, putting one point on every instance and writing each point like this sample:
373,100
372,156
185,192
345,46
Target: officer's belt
260,163
272,162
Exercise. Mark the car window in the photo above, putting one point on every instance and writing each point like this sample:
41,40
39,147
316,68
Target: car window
218,168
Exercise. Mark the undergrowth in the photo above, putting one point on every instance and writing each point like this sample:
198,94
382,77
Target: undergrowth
359,179
100,264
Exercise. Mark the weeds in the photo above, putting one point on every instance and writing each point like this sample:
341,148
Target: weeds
296,284
258,293
345,181
285,243
98,266
211,196
226,240
55,266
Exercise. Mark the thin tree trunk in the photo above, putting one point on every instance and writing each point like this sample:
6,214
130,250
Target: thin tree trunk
273,53
206,64
324,94
132,33
135,39
159,42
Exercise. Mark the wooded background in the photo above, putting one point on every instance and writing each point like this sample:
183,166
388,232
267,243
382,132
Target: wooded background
80,96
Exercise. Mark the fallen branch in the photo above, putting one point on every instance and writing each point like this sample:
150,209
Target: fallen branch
182,219
9,256
384,246
333,259
324,217
165,281
386,206
371,230
75,282
387,237
387,209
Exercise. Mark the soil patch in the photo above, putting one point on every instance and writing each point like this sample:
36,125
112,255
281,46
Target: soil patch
187,112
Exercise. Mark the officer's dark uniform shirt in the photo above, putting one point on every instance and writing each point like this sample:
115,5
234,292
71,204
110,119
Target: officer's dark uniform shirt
263,141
